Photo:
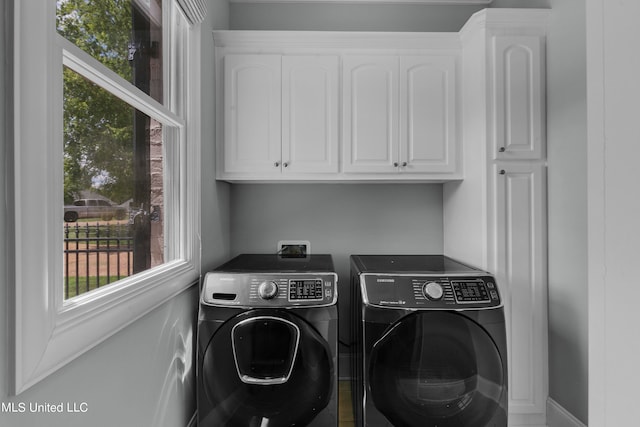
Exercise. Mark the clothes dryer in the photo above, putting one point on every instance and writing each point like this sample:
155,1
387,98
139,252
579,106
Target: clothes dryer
429,343
267,343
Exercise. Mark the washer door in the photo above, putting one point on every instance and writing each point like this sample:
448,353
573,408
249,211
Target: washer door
436,369
266,366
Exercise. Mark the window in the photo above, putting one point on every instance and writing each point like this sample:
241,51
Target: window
106,171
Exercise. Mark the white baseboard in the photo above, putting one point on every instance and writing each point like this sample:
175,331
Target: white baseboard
557,416
194,420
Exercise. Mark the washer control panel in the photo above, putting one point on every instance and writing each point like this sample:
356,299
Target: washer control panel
269,289
429,292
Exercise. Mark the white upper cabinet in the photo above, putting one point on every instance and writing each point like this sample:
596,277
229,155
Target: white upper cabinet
327,106
309,114
399,114
428,114
518,76
370,114
252,106
280,116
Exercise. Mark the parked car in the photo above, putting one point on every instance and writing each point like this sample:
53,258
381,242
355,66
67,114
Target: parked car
93,208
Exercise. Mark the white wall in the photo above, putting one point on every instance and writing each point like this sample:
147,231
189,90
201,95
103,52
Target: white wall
144,375
567,192
613,206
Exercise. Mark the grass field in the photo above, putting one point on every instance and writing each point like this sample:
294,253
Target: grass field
79,285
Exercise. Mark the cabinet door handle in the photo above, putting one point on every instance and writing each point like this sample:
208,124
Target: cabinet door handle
285,164
404,164
395,164
502,149
276,164
502,172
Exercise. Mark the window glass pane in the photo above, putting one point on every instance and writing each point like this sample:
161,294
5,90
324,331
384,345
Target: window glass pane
113,188
124,35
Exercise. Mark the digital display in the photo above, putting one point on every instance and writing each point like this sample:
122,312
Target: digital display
308,289
470,291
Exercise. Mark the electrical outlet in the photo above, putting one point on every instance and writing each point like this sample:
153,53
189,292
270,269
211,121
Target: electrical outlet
294,248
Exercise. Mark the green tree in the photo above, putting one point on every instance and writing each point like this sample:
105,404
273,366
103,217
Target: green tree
98,127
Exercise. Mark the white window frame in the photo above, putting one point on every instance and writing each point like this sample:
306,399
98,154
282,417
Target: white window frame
48,331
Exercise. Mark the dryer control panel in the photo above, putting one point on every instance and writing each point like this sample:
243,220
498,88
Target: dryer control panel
269,289
429,291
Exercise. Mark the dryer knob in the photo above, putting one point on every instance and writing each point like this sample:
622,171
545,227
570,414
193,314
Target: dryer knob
268,290
433,291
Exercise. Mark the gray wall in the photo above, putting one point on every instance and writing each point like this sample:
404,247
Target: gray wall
349,17
522,4
339,219
215,194
567,182
143,375
360,17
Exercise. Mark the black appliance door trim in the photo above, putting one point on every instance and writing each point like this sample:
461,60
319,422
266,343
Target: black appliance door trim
229,401
436,368
245,375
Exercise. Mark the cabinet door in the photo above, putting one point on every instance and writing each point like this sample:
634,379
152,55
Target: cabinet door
370,113
309,114
428,128
252,105
518,97
521,268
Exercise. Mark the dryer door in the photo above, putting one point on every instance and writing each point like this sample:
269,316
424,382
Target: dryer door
266,367
436,368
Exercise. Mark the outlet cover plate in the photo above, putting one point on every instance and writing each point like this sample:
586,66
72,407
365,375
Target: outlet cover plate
294,248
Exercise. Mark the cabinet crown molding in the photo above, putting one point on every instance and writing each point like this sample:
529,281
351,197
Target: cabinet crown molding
516,19
275,41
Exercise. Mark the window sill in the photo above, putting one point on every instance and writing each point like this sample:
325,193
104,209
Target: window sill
87,320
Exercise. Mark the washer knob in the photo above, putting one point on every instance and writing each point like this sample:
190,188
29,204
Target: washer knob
268,290
433,291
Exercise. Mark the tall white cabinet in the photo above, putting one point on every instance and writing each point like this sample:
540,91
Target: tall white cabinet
496,217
